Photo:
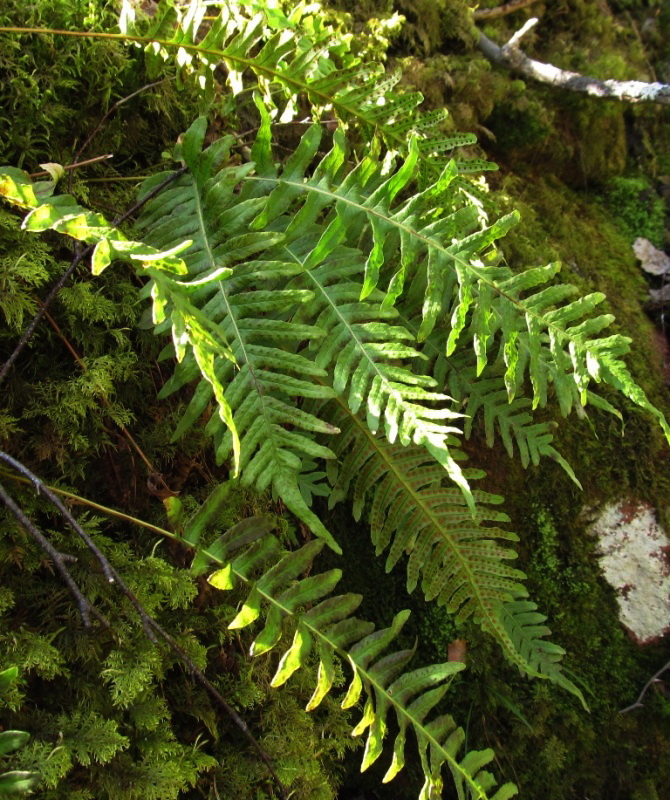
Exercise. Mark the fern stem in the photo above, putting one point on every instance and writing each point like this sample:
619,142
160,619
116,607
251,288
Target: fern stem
79,500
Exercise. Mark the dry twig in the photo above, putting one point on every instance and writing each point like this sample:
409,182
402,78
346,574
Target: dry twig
503,10
511,57
655,678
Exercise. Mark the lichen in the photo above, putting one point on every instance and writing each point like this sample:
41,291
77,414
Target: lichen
634,552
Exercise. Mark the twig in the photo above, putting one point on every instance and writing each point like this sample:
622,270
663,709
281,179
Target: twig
510,57
85,607
34,322
75,165
655,678
82,365
503,10
150,625
523,30
28,333
111,111
40,488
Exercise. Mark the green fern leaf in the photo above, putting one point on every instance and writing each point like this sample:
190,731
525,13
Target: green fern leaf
457,557
259,394
250,555
305,65
367,358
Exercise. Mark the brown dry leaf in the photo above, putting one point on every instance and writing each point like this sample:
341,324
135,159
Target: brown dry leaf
457,651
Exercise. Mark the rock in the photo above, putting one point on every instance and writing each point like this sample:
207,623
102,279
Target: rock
654,261
635,559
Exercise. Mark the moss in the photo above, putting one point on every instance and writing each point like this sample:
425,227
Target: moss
433,23
636,209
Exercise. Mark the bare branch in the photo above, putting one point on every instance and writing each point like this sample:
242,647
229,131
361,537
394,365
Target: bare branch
116,105
510,57
655,678
59,559
503,10
76,165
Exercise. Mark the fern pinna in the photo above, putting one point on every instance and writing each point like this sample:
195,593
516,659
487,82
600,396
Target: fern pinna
251,555
292,291
292,58
456,555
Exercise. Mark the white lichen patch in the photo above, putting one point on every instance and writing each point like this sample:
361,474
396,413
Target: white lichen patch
635,559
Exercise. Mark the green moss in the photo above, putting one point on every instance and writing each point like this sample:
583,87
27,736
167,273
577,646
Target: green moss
636,209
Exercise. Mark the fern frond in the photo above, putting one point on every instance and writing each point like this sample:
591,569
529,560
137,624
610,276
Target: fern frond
368,357
248,554
514,420
456,556
283,56
534,332
260,393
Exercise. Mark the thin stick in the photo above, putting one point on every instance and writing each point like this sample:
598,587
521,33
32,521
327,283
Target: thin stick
85,607
75,165
111,111
40,488
30,330
82,365
655,678
503,10
35,321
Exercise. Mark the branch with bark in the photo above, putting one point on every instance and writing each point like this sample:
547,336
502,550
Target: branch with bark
511,57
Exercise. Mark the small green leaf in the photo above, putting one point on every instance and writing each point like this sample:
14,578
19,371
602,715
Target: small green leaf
17,782
294,658
8,677
17,188
56,171
250,611
174,510
101,258
206,516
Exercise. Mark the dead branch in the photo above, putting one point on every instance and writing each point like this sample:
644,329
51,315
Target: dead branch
503,10
655,678
511,57
59,560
